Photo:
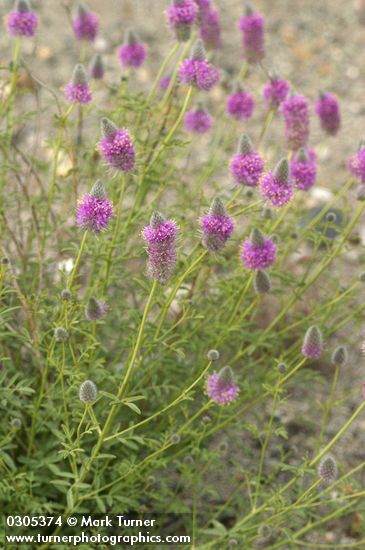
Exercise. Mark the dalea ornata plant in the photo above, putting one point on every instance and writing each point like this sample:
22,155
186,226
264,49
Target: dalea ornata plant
170,205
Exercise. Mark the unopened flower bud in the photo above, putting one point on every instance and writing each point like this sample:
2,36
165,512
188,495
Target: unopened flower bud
175,439
282,368
97,68
331,217
60,334
213,355
66,294
95,309
16,423
327,469
261,282
267,213
88,392
339,356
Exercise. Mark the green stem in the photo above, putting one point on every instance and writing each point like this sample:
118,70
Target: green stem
171,133
266,126
174,74
115,233
328,406
172,294
162,70
77,262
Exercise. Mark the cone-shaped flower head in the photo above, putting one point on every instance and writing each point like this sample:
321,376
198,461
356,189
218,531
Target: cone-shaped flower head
85,23
210,27
357,163
22,21
116,146
217,227
296,116
339,356
275,92
240,104
221,387
97,68
246,165
198,120
252,26
78,90
328,110
95,309
303,168
313,344
133,52
276,186
88,392
94,210
160,236
261,282
197,71
258,252
181,15
327,469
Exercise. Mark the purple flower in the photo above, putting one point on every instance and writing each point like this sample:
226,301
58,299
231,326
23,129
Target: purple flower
132,53
240,104
198,121
203,4
246,165
116,146
303,168
217,227
296,115
258,252
221,387
328,110
252,26
85,24
97,68
22,21
181,16
356,163
276,186
275,92
78,90
161,247
164,82
95,309
312,345
94,210
197,71
210,28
